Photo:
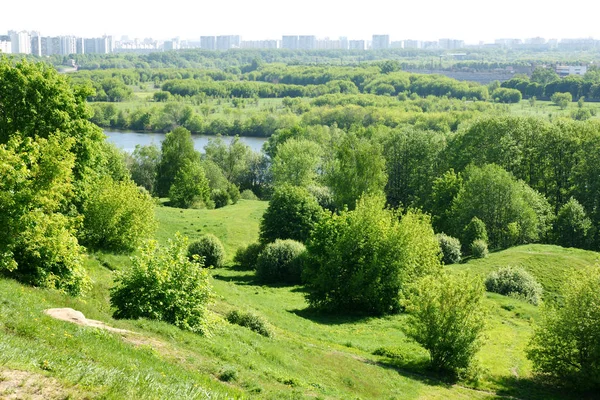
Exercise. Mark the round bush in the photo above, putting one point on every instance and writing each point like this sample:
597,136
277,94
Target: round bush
246,257
248,195
219,197
514,282
250,321
234,193
281,262
479,249
450,247
475,230
209,247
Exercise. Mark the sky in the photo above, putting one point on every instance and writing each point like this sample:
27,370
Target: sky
469,20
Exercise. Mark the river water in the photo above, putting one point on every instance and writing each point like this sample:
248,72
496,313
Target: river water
128,140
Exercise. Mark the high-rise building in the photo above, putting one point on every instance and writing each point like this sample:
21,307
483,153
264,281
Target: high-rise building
356,44
36,44
5,44
68,45
413,44
226,42
307,42
380,42
20,42
289,42
208,43
344,43
103,45
80,46
258,44
450,44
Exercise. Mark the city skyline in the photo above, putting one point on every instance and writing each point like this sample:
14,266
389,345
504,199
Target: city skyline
265,19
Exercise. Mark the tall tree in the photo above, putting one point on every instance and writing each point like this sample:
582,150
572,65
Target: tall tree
177,149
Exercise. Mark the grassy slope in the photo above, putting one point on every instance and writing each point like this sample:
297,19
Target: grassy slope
311,355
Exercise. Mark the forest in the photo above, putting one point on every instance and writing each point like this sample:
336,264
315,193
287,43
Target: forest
438,237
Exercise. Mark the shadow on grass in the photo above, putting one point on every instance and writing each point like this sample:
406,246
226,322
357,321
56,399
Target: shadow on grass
536,389
417,369
249,279
326,318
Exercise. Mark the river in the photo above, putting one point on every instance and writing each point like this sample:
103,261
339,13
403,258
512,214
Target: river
128,140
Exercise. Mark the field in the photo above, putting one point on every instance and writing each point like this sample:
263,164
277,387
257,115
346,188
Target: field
310,355
548,110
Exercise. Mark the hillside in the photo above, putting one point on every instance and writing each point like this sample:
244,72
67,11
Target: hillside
309,356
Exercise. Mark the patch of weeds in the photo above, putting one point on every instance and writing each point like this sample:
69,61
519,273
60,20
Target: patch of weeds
508,307
250,321
229,374
390,352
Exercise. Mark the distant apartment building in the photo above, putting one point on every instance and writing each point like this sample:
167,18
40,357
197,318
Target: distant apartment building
307,42
566,70
68,45
449,44
259,44
380,42
329,44
430,45
356,45
289,42
397,44
208,42
103,45
20,42
344,44
80,46
36,44
5,44
170,45
226,42
413,44
508,43
578,44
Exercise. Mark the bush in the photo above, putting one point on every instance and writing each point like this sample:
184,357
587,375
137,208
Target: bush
118,216
190,186
572,225
475,230
281,262
362,260
562,100
219,197
292,214
515,282
246,257
505,95
450,248
447,318
250,321
479,249
565,347
234,193
248,195
165,285
210,248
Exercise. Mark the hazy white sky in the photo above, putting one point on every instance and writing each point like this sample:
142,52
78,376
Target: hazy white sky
469,20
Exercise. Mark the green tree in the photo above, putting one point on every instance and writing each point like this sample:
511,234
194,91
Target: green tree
118,216
572,225
38,244
562,100
565,346
292,214
444,190
232,158
544,75
357,168
362,260
475,230
447,317
512,212
177,150
190,186
165,285
144,166
296,163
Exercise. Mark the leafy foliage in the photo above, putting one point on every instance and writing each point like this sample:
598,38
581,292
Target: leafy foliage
292,213
475,230
447,317
246,256
250,321
572,225
210,248
118,216
281,262
177,152
144,165
164,284
296,162
450,248
479,249
38,244
362,260
565,346
219,197
511,281
190,186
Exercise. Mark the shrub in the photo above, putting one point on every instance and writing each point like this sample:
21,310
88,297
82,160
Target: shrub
565,346
281,262
165,285
248,195
361,260
562,100
475,230
246,257
210,248
514,281
219,197
117,216
292,214
234,193
250,321
450,248
479,249
447,318
190,186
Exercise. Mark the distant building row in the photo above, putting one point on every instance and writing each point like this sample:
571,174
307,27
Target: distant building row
33,43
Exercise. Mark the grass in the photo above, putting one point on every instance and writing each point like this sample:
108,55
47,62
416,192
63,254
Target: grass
309,355
548,110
